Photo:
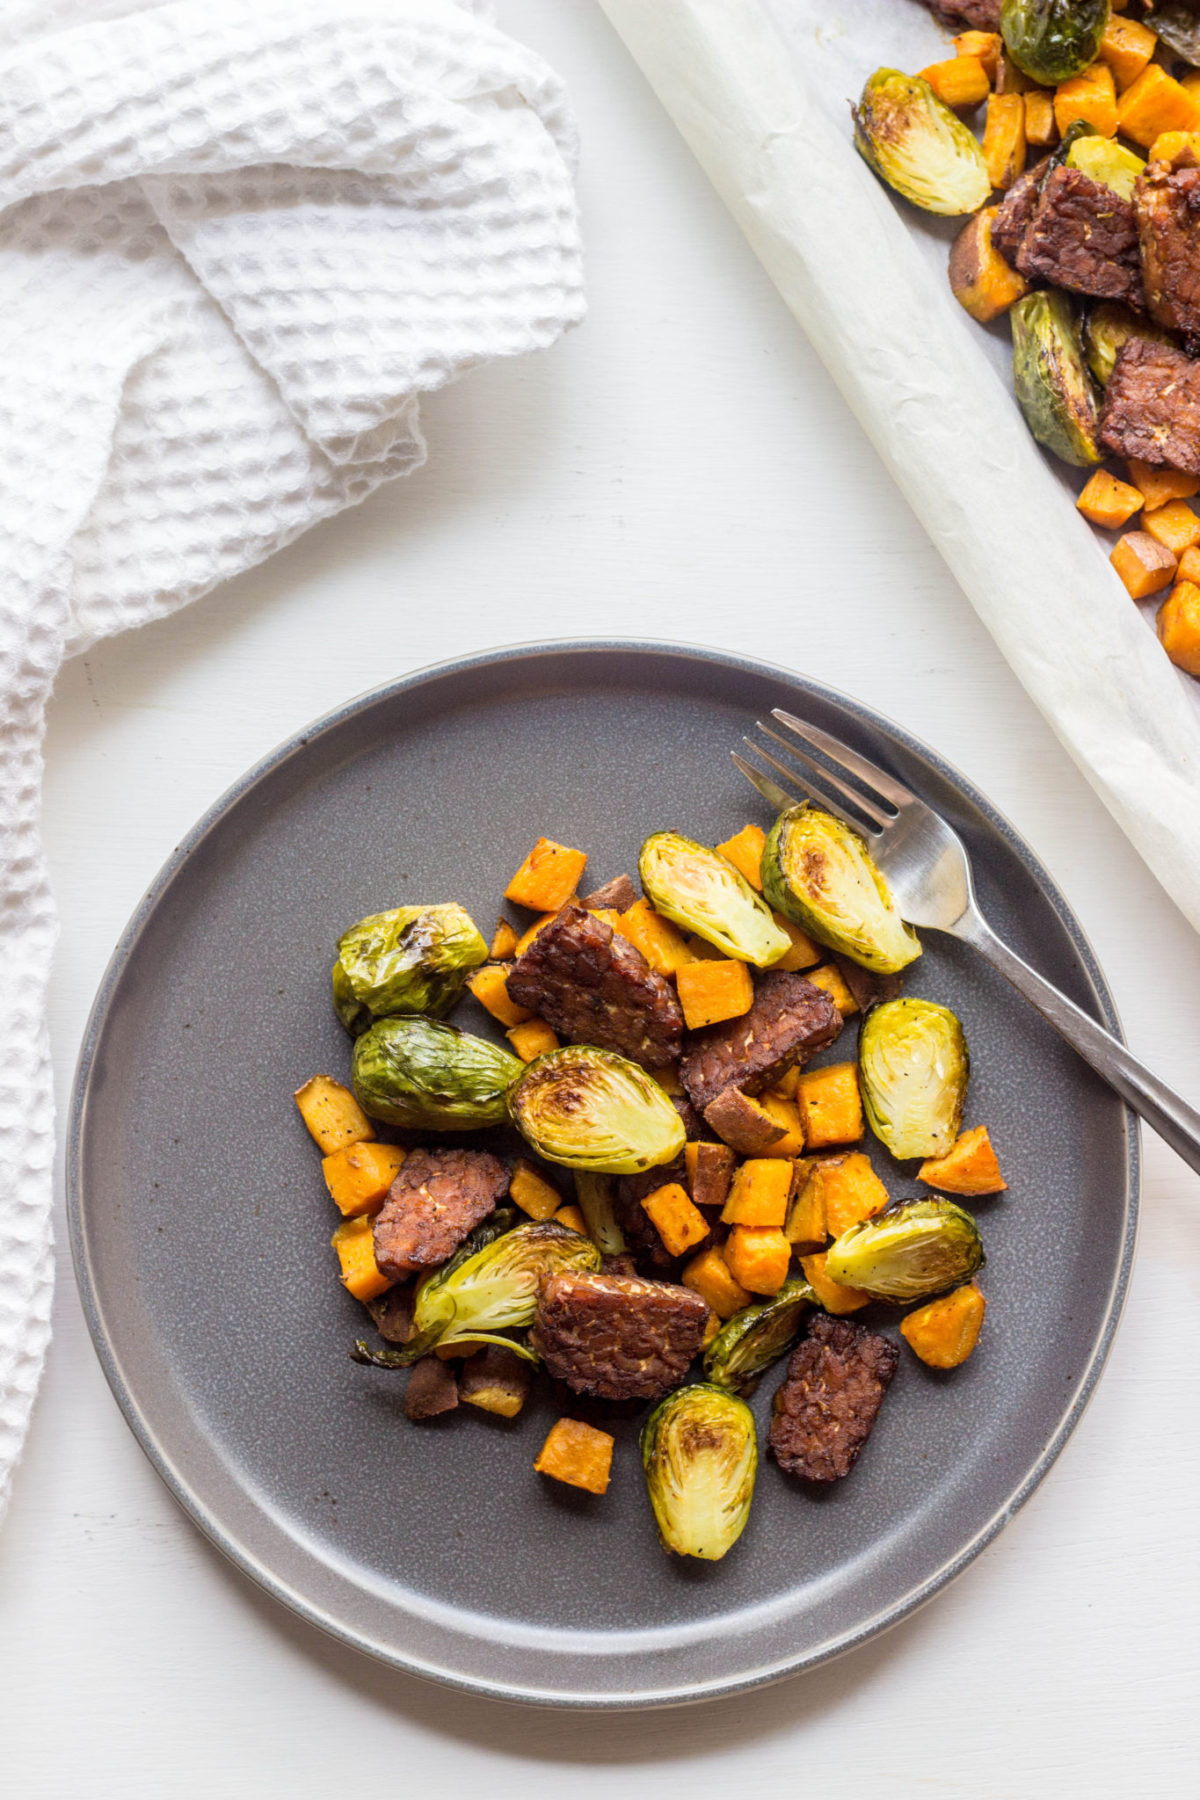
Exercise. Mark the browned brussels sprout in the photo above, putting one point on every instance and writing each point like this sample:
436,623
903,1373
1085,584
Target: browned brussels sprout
1051,40
819,873
414,959
909,1252
698,889
700,1456
430,1076
913,1069
916,144
1053,387
592,1109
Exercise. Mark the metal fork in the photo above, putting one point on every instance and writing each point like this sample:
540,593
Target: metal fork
929,873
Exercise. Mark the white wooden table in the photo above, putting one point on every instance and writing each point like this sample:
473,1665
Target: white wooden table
681,468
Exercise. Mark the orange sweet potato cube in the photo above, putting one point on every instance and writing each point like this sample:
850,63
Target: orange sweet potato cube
786,1113
759,1194
1179,626
332,1114
983,283
710,1276
1158,485
1004,139
572,1218
960,81
1189,565
1126,47
969,1166
533,1038
830,978
758,1257
787,1084
833,1296
712,991
504,942
830,1105
744,850
944,1332
1174,525
1090,95
359,1176
803,953
743,1123
853,1191
578,1455
1107,502
1041,127
532,1192
660,943
354,1241
1155,103
679,1224
548,876
1143,564
985,46
1180,149
490,987
805,1228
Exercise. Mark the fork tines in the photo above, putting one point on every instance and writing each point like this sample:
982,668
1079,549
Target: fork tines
870,801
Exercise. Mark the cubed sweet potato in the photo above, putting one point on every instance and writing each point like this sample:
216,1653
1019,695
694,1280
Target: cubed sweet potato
982,282
709,1172
1189,566
803,953
743,1123
970,1166
961,82
504,942
578,1455
490,987
833,1296
712,991
1158,485
945,1331
1041,127
804,1227
1155,103
830,978
785,1113
533,1038
1143,564
985,46
710,1276
1004,139
532,1192
853,1191
787,1083
1178,626
1126,47
744,850
332,1114
548,877
496,1381
572,1217
354,1241
1178,149
1174,525
660,943
1009,79
1107,502
359,1176
1090,95
758,1257
759,1193
679,1224
830,1105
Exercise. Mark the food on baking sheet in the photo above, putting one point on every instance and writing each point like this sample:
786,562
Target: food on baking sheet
1088,124
674,1198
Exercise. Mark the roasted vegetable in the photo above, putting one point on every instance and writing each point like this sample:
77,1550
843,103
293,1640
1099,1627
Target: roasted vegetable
908,1253
1091,96
1106,162
493,1286
359,1176
429,1076
355,1248
913,1070
496,1381
944,1333
757,1336
759,1193
981,280
1051,40
744,850
834,1297
918,146
758,1257
705,894
591,1109
1143,564
1053,387
821,874
713,990
1178,625
700,1455
1155,103
679,1223
578,1455
1004,146
664,948
829,1105
1108,325
548,876
709,1275
332,1114
1177,23
414,959
595,1197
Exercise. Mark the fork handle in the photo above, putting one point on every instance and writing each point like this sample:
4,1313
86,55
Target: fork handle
1159,1105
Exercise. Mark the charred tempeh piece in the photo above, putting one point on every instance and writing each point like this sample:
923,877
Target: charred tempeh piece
436,1200
827,1404
594,987
1152,406
1167,206
980,15
1015,211
618,1336
790,1020
432,1389
1083,237
617,895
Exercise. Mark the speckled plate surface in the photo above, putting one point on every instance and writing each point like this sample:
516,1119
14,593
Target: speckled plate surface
200,1224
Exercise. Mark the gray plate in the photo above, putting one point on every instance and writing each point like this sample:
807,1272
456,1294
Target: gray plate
200,1224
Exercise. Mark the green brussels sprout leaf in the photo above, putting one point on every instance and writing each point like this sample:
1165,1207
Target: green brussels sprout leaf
700,1456
821,875
428,1076
757,1336
592,1109
696,888
595,1196
913,1069
911,139
493,1287
910,1252
414,959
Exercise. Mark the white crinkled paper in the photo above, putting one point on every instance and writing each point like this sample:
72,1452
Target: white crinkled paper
237,242
760,90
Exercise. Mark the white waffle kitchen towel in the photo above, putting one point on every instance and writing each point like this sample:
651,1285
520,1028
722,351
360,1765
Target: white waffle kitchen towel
238,239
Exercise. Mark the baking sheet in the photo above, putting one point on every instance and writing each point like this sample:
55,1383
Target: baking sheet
760,89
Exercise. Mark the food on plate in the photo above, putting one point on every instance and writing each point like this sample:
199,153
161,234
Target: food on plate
430,1076
719,1212
700,1456
589,1108
825,1408
1085,232
913,1071
414,959
909,1252
821,874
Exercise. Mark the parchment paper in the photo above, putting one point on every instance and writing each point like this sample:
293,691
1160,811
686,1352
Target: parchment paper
760,90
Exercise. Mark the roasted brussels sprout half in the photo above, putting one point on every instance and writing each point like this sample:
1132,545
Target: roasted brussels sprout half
1051,40
414,959
429,1076
1102,159
699,890
909,1252
1053,387
757,1336
1177,23
820,874
913,1068
591,1109
916,144
1106,327
595,1196
495,1288
700,1455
